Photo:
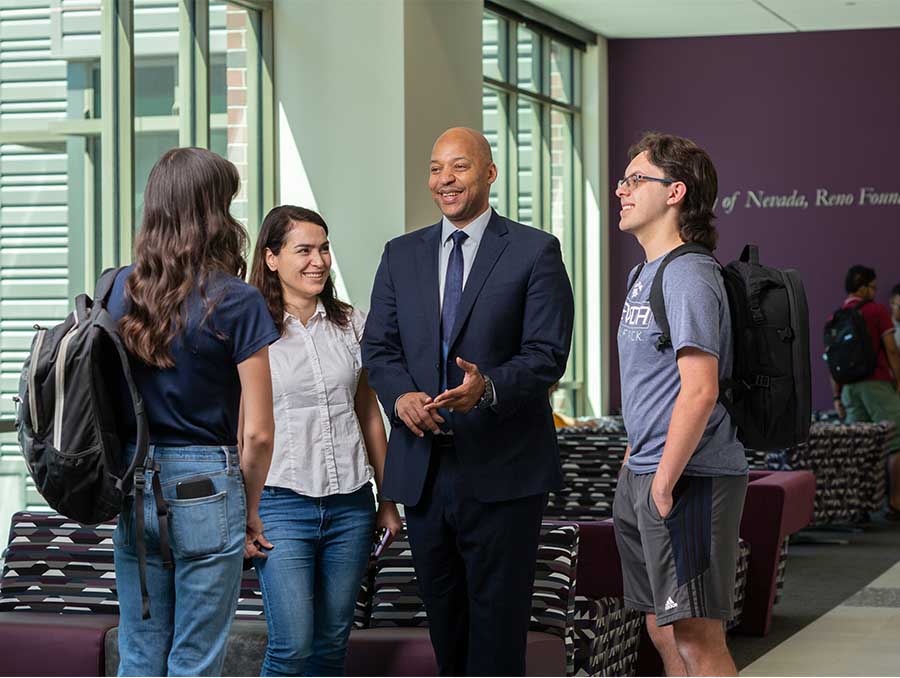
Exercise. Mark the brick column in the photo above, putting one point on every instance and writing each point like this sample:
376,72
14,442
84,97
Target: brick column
236,25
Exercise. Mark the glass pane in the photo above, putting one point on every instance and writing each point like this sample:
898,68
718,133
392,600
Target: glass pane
229,133
561,73
528,59
155,85
493,47
528,153
34,277
492,123
148,147
561,185
156,90
155,59
48,191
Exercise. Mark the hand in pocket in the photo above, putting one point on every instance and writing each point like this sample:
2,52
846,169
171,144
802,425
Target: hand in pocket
661,498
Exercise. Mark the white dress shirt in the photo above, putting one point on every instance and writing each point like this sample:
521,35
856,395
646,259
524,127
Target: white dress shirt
475,231
319,448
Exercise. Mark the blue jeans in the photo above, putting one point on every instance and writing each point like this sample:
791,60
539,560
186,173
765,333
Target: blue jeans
191,606
311,579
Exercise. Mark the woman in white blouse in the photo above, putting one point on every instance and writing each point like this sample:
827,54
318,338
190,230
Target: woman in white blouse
317,505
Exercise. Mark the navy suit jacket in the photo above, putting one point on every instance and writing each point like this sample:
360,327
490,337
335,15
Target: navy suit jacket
514,321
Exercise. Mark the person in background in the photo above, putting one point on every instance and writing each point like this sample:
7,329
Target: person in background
198,338
330,443
680,494
874,398
895,312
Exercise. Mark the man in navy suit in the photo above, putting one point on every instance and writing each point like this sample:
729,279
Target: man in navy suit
470,324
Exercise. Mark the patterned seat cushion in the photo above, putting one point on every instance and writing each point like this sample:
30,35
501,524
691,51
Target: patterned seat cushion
590,460
607,636
396,600
553,598
250,600
848,462
782,565
54,564
740,584
395,596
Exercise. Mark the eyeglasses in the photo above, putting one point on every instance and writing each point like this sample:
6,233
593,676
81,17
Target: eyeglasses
633,180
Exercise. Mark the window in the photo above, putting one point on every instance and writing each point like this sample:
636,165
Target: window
532,119
73,164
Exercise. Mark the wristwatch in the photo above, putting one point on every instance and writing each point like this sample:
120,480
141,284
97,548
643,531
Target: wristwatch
487,398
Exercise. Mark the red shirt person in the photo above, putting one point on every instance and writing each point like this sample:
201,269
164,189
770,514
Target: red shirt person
874,398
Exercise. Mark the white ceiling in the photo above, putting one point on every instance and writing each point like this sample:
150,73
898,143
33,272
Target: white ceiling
686,18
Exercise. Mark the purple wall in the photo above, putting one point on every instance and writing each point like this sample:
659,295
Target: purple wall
777,113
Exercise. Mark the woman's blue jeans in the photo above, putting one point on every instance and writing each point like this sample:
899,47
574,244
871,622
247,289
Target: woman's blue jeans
311,578
191,606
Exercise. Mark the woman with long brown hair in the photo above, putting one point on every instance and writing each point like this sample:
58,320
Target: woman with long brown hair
198,340
330,444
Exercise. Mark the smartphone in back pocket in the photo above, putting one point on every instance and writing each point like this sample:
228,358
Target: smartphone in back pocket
194,489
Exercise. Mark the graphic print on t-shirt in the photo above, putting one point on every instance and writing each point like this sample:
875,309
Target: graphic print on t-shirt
636,319
636,315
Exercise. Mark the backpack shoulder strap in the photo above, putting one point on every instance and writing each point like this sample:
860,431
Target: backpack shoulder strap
657,299
111,328
105,284
633,279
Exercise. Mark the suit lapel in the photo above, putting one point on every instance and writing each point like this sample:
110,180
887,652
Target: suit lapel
493,242
427,263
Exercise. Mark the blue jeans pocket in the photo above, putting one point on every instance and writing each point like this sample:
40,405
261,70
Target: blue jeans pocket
199,526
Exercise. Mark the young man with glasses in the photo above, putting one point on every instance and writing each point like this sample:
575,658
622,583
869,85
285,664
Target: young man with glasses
681,490
875,398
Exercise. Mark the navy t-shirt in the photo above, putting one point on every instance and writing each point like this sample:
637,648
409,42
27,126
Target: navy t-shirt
196,402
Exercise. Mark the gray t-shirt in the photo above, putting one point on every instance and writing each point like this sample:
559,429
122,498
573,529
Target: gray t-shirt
698,314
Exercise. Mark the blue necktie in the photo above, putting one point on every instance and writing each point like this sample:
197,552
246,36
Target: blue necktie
453,286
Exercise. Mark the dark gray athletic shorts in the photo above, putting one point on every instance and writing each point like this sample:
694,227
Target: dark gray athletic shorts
684,565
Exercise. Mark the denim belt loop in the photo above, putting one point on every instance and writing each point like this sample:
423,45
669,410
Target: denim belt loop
232,460
148,462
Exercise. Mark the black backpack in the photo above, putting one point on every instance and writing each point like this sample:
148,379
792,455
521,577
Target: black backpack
769,394
849,351
68,427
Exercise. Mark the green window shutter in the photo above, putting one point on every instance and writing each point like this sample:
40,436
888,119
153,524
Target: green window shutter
34,217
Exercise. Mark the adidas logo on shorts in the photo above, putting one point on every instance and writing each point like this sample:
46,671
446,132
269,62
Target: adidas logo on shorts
671,604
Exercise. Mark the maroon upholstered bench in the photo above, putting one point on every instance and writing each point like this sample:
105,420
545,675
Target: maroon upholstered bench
57,596
778,504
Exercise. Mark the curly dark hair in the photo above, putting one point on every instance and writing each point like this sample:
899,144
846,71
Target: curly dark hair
272,235
187,235
683,160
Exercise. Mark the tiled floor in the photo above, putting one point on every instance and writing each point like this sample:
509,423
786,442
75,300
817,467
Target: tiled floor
860,637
